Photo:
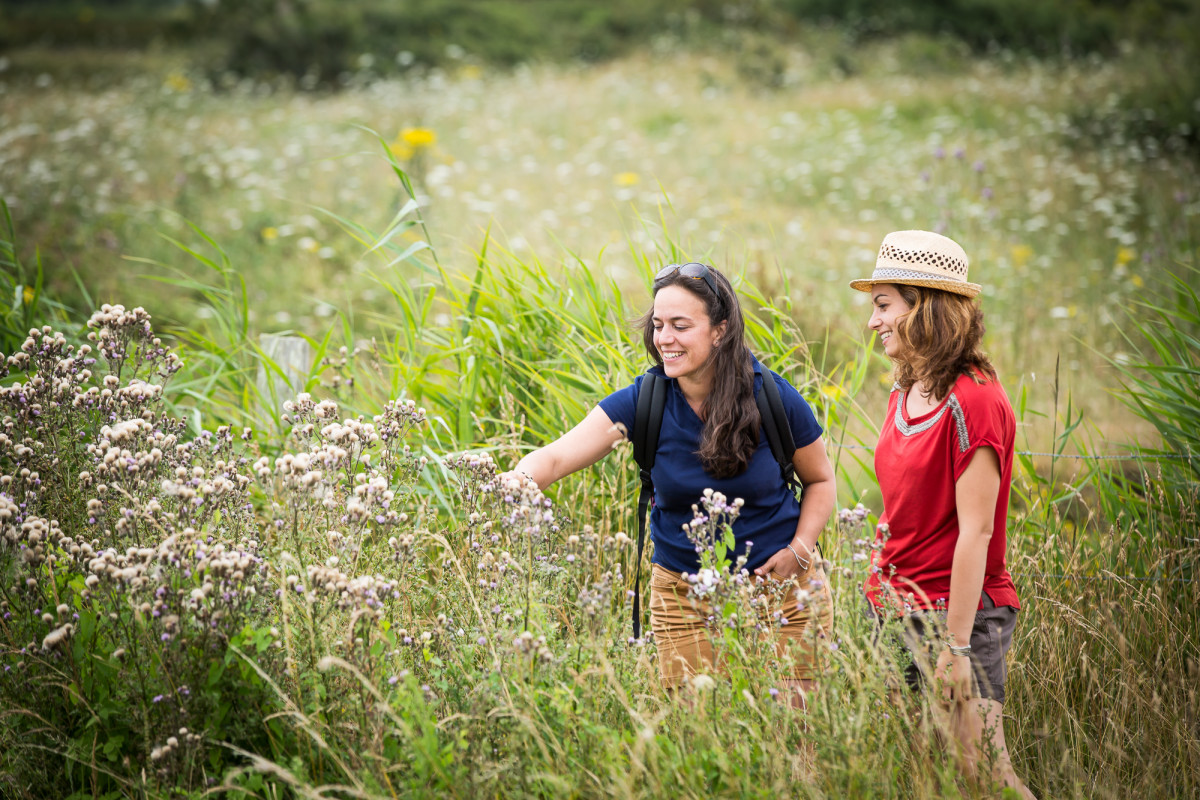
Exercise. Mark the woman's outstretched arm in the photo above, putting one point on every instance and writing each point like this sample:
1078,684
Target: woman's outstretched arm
584,445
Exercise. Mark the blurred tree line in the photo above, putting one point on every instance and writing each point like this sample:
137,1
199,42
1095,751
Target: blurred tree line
299,35
323,42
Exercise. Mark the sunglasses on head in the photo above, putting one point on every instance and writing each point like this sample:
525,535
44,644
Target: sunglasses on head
694,270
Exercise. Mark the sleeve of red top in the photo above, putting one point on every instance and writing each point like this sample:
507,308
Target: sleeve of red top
986,415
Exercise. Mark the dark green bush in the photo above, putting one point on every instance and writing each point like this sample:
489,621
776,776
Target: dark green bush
325,39
1044,27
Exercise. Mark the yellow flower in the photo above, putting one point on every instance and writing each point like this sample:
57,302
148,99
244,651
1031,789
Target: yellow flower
269,234
418,138
1125,255
1021,253
411,142
178,82
28,295
1137,281
833,392
627,179
470,72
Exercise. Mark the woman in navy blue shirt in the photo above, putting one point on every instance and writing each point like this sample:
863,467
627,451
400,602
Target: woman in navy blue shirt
712,437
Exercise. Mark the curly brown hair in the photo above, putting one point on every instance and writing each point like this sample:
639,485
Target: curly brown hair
731,420
940,337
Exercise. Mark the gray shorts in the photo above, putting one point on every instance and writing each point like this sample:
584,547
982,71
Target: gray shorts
991,636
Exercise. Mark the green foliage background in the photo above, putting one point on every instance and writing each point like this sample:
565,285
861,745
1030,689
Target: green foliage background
326,42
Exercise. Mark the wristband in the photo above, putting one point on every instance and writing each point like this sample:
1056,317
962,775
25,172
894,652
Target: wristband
801,561
956,650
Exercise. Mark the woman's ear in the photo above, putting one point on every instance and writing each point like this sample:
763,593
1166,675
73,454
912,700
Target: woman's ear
719,332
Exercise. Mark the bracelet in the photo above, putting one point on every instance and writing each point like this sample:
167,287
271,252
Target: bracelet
801,561
956,650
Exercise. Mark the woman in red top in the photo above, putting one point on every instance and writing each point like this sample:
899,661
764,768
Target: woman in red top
944,464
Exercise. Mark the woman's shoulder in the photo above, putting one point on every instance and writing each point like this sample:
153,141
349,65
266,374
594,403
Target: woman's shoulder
981,390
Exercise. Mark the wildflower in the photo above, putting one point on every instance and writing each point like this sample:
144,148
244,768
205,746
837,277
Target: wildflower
178,82
413,141
703,683
57,636
269,234
1125,255
626,179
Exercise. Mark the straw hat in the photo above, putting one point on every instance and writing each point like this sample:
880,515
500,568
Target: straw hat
920,258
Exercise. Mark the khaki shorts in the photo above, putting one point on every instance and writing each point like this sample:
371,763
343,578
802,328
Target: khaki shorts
681,626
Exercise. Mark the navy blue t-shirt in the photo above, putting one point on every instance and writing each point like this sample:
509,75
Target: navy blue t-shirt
769,516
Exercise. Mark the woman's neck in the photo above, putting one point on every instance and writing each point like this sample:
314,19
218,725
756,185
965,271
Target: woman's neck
922,389
696,391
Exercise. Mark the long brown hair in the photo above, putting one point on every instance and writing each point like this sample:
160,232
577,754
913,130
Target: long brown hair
940,337
731,421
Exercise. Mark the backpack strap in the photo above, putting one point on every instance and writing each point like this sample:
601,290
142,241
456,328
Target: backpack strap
778,429
647,422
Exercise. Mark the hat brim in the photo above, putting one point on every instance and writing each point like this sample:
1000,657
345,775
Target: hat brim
956,287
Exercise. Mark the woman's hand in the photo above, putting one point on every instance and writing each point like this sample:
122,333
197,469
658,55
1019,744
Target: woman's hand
516,478
953,677
785,564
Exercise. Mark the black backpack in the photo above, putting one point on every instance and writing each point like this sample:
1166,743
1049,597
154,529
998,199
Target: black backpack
652,396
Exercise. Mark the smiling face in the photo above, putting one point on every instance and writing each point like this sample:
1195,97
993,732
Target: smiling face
888,308
683,335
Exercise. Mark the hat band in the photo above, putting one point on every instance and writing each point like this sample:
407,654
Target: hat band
883,274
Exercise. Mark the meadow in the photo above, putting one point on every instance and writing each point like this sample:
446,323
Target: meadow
209,589
791,187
